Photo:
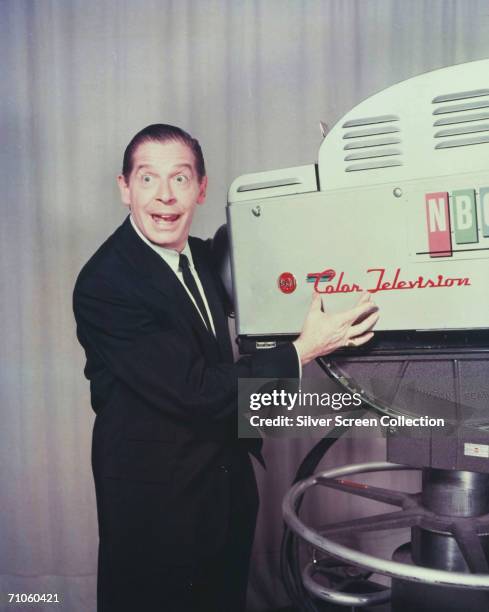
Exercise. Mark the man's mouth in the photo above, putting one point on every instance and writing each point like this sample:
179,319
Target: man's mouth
165,219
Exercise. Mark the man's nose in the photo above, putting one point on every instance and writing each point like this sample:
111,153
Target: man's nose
165,193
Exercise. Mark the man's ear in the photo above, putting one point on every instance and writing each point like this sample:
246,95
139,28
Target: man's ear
202,190
124,189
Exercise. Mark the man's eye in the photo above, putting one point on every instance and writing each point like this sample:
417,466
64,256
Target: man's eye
181,178
147,179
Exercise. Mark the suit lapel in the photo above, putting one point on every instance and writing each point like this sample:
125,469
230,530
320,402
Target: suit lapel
151,267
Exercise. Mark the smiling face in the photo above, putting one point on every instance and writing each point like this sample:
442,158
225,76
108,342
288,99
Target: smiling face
163,191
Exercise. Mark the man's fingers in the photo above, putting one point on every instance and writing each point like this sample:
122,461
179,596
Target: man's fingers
360,311
364,326
364,297
359,340
316,302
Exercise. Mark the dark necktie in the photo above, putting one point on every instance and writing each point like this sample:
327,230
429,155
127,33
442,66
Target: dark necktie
191,285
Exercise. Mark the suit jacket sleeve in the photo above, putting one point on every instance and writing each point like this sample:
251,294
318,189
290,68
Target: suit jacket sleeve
160,360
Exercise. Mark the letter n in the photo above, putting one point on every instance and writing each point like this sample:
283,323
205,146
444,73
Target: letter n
438,224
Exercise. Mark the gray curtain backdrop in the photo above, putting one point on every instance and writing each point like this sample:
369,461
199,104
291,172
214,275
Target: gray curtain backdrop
251,79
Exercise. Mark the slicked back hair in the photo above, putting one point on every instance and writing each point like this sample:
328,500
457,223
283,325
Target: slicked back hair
161,132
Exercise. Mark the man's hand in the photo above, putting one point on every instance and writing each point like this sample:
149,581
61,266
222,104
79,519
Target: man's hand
323,333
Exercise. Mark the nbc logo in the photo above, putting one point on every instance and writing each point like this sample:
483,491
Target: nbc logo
456,220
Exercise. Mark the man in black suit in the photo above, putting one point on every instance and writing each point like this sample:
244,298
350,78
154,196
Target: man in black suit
176,493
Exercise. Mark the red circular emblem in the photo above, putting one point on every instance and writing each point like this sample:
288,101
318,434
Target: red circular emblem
286,282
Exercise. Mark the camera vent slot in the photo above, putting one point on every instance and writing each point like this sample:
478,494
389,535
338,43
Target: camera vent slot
375,144
472,128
